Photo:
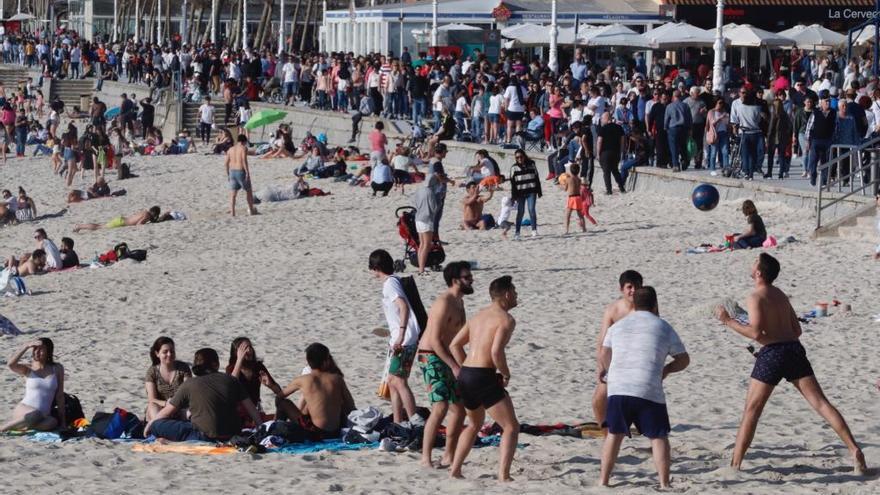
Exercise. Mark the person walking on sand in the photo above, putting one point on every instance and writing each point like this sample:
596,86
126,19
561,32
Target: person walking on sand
634,352
774,325
629,281
574,203
484,375
439,368
404,339
239,174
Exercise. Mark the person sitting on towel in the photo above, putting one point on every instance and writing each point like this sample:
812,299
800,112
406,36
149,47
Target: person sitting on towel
69,258
325,401
212,398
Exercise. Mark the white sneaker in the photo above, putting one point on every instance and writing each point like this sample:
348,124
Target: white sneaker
713,173
534,233
516,237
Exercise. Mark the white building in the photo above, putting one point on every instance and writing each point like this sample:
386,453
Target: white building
379,28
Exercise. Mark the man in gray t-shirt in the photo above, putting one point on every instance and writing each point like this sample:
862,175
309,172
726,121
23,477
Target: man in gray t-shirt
634,353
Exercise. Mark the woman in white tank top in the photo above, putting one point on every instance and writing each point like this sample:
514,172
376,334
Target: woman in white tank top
44,385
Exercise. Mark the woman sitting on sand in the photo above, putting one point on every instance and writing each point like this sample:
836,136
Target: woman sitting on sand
282,146
100,189
223,142
44,384
25,208
244,365
164,376
756,234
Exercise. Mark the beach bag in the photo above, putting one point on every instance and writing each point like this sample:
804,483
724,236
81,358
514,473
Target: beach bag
415,302
384,392
118,424
123,171
121,250
72,410
711,135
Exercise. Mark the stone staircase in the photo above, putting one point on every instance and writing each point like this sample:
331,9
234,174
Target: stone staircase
12,75
70,91
191,116
862,228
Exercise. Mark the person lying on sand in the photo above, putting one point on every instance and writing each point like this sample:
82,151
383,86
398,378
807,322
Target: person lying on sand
139,218
326,400
29,264
774,325
100,189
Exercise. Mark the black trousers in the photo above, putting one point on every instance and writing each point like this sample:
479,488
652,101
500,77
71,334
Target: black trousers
383,188
608,160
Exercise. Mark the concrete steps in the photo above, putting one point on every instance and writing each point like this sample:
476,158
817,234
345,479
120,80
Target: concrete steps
11,76
864,228
191,116
71,90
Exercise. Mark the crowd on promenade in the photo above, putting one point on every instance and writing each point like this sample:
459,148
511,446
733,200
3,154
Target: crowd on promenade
802,104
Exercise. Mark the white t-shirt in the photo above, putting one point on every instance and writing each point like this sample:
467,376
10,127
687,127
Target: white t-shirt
206,113
401,162
460,104
289,72
514,104
576,115
53,256
495,102
639,345
392,289
600,104
440,99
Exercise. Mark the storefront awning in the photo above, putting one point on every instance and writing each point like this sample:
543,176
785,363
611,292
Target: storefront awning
766,3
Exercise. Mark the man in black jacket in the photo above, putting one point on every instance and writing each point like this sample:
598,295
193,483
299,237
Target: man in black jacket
820,131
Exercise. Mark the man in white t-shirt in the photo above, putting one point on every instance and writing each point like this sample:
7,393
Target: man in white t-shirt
404,341
53,255
206,120
634,353
442,99
290,77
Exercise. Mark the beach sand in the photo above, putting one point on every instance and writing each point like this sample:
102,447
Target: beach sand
297,274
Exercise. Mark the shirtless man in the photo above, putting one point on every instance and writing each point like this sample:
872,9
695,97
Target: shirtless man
140,218
325,402
239,174
473,208
774,325
29,264
630,280
439,368
484,375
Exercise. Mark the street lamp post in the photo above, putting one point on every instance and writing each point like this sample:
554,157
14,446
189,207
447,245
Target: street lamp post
214,15
434,23
717,76
137,20
244,31
281,30
183,31
159,22
552,61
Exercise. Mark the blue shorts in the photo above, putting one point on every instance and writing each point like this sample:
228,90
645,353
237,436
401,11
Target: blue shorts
781,360
494,118
489,220
651,418
238,180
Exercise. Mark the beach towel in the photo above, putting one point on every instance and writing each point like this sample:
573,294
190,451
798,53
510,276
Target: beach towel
7,327
183,448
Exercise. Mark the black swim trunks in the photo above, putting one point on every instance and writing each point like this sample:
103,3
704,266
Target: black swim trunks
480,387
781,360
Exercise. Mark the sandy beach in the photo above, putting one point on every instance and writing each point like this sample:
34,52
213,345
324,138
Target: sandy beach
297,274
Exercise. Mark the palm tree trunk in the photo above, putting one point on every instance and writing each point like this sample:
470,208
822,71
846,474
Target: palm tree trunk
302,40
293,28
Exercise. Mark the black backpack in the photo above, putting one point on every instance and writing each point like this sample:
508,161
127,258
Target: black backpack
72,410
415,302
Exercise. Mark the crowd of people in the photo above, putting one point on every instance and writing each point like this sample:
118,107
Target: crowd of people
801,104
627,118
203,403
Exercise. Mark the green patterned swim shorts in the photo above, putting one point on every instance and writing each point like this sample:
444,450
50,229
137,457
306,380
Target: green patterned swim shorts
439,380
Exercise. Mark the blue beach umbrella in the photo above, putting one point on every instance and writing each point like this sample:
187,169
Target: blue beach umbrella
111,113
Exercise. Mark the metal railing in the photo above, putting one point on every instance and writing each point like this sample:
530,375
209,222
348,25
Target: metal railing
866,172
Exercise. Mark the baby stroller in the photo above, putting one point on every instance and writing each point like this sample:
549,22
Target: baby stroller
406,227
